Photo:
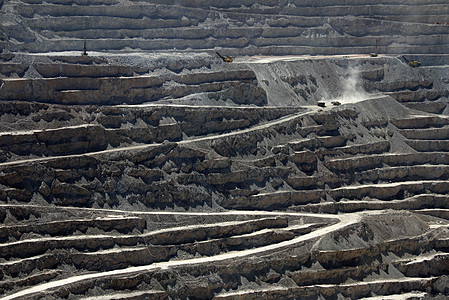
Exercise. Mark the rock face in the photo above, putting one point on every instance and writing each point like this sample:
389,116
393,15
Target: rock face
249,27
139,174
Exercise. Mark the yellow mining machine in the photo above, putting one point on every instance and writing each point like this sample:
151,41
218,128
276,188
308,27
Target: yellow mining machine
225,58
412,63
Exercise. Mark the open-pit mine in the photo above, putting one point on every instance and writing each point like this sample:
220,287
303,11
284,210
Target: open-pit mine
209,149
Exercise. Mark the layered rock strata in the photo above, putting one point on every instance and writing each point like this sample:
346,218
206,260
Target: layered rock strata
149,168
250,27
219,190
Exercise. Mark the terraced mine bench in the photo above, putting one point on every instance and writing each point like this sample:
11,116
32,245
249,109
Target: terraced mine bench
250,28
149,168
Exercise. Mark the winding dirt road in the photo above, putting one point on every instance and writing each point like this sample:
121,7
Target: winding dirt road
344,220
311,110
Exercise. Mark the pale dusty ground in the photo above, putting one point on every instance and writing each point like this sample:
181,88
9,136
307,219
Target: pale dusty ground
345,220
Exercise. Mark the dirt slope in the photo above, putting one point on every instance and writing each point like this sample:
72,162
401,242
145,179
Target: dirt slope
150,168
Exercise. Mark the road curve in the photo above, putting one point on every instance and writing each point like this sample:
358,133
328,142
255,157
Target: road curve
345,220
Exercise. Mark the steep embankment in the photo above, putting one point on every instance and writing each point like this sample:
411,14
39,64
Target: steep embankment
149,168
239,28
306,80
208,180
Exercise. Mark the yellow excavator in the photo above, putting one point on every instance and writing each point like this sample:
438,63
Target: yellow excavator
412,63
225,58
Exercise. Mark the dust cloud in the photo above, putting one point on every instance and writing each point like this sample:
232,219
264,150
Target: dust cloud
352,87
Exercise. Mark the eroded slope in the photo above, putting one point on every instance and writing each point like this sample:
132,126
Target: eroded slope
239,28
158,175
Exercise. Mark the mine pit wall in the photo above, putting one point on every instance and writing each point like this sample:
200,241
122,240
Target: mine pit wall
304,81
164,175
351,79
248,28
190,175
341,159
368,155
301,82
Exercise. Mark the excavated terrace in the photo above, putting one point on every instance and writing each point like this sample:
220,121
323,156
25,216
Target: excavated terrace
151,169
